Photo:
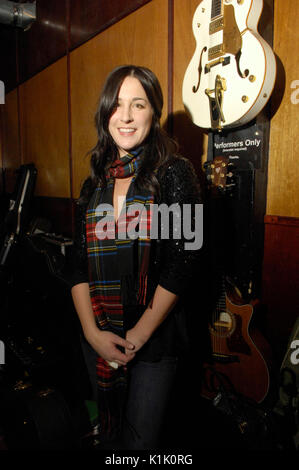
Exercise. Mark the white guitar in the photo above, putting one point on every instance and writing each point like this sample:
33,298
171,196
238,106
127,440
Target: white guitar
232,72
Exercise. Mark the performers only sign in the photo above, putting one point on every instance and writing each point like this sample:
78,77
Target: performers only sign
242,146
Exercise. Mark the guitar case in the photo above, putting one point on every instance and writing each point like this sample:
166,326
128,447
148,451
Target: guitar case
36,418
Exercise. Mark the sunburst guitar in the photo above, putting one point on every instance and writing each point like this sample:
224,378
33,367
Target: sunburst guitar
236,351
232,73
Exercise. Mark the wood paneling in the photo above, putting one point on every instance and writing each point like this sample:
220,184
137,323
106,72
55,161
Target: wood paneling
283,170
10,134
45,41
44,129
59,25
192,139
281,279
90,17
141,39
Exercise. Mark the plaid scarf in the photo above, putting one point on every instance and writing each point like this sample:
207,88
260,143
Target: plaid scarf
118,269
125,166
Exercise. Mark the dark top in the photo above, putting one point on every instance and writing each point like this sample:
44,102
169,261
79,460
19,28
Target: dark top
171,265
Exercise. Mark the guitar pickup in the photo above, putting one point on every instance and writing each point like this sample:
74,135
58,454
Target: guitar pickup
216,51
216,25
222,60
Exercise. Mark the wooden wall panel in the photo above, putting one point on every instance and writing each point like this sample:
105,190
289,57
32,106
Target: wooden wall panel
11,157
281,280
283,170
44,129
89,17
45,41
191,138
140,38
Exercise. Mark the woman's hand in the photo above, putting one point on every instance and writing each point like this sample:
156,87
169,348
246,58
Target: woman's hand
160,306
134,336
106,343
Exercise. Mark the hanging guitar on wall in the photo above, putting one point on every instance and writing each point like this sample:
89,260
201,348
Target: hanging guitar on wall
232,73
236,349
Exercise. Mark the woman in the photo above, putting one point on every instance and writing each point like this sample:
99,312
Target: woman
127,290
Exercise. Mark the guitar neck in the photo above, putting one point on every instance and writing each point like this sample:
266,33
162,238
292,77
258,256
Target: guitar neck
216,9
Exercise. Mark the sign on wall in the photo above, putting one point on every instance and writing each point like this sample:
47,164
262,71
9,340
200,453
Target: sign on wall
241,146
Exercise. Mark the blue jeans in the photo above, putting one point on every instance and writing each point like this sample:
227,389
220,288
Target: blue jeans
149,389
150,385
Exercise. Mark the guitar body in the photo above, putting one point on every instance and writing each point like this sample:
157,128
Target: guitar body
232,72
235,355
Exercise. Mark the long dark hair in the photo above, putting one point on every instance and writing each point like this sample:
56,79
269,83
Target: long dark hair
158,147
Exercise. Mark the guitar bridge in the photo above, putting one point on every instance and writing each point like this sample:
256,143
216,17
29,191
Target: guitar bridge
222,60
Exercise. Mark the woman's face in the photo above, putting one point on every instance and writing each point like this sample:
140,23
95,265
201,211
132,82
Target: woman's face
130,123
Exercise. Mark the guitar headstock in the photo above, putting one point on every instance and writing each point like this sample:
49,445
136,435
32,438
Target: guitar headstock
219,173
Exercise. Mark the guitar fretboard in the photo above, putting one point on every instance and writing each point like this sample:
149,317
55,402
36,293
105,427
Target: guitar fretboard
216,8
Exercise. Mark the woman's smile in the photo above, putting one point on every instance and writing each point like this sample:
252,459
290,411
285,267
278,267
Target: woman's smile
126,130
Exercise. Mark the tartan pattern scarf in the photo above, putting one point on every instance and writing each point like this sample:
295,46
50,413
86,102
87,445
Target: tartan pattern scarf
125,166
118,270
